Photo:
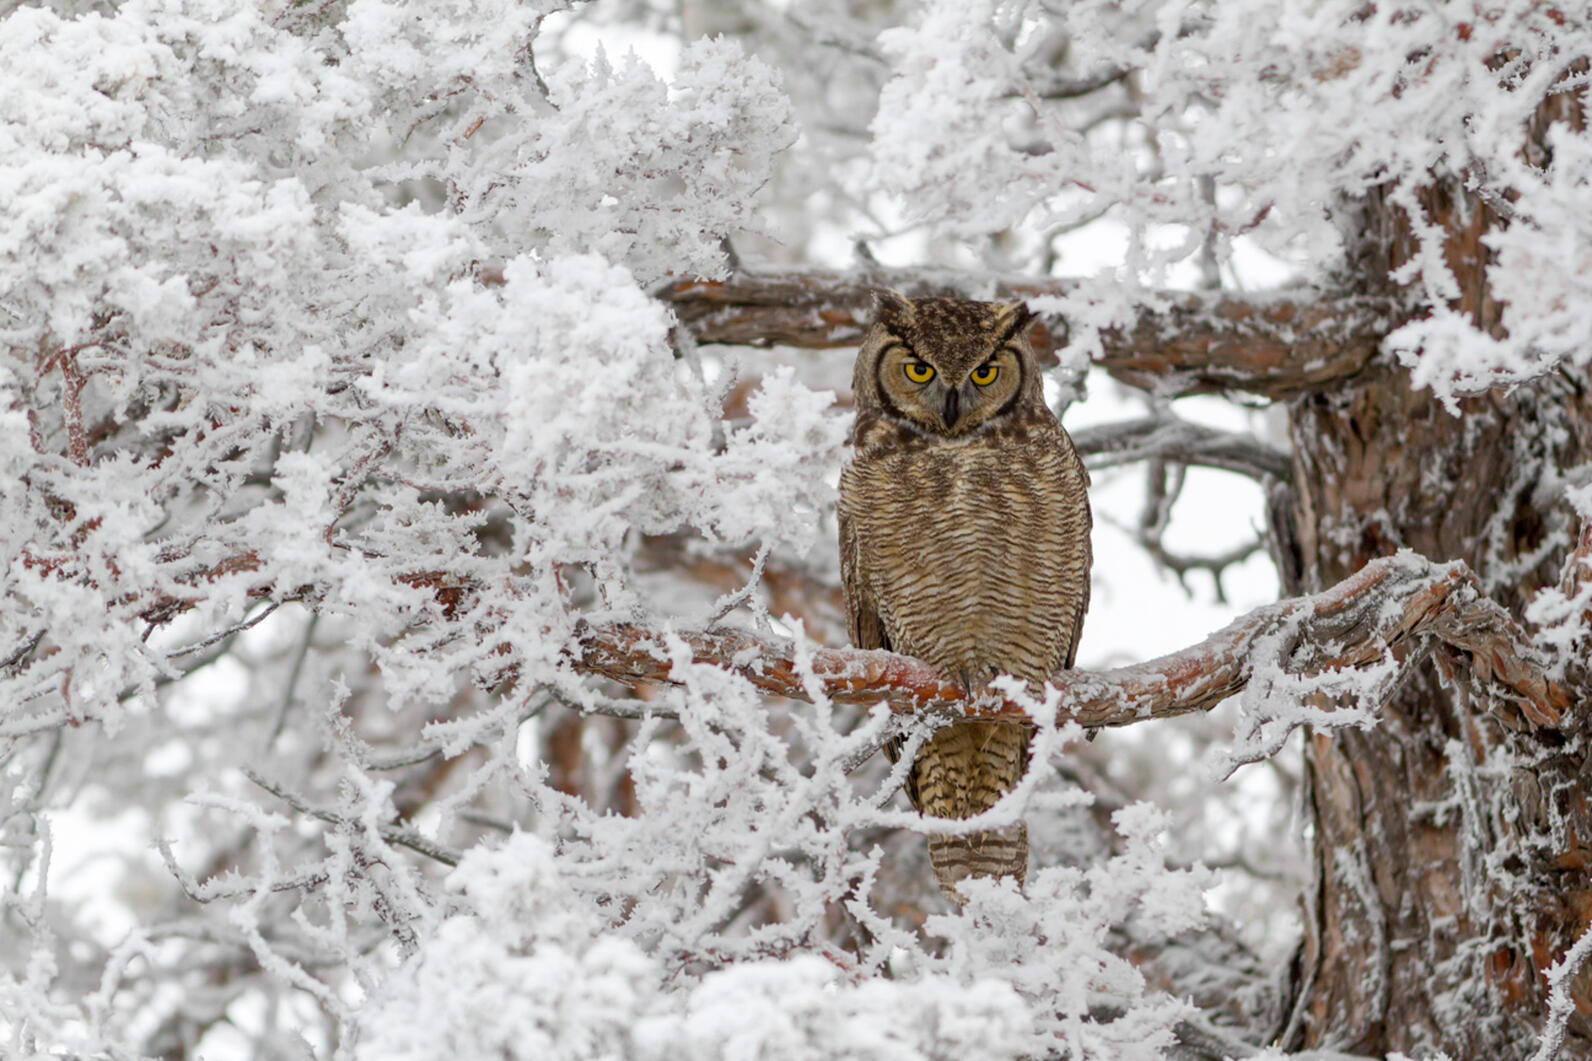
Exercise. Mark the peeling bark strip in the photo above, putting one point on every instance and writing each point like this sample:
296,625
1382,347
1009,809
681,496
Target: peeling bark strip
1402,604
1277,345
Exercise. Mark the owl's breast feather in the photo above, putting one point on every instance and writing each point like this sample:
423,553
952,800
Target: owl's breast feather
965,549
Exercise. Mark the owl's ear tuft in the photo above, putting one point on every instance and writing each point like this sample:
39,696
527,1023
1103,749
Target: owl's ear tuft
891,308
1013,318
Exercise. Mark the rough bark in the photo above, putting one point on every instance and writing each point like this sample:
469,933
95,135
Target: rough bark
1451,849
1275,345
1404,607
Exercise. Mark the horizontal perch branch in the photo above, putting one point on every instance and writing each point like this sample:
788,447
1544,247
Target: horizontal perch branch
1399,607
1403,605
1276,345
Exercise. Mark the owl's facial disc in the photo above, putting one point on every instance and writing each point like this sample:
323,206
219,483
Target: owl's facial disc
949,376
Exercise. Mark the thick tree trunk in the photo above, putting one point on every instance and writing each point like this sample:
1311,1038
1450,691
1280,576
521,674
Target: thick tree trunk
1451,850
1451,857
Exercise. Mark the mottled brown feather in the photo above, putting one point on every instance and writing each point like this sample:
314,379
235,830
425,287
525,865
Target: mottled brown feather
964,544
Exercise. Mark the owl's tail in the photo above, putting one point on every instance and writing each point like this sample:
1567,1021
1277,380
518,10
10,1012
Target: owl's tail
963,770
996,853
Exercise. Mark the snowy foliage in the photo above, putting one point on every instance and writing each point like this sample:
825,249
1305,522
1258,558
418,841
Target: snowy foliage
335,406
526,967
1257,119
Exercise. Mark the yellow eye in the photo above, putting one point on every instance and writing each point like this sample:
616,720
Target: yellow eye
984,375
919,371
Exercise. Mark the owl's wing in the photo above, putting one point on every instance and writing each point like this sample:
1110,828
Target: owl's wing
862,618
1077,625
1082,605
863,623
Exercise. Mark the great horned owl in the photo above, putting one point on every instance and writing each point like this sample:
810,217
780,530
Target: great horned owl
964,541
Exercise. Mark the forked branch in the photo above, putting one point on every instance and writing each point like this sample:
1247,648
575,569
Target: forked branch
1402,606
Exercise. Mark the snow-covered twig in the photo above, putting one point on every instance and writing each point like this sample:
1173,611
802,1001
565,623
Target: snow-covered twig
1561,1003
391,833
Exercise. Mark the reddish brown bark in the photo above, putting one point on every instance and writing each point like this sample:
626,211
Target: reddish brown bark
1278,345
1438,881
1399,607
1451,848
566,765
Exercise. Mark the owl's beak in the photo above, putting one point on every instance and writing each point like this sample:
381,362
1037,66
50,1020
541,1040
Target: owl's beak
952,409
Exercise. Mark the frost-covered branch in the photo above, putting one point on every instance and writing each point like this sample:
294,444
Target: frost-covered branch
393,834
1399,607
1276,345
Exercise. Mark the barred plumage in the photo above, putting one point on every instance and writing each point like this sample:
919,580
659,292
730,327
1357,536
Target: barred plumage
964,533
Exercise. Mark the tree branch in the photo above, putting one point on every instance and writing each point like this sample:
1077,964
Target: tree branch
1403,605
1073,87
1181,441
1275,345
393,834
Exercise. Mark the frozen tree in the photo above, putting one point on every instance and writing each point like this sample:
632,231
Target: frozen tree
420,631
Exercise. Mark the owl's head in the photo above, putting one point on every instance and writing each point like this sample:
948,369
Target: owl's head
946,365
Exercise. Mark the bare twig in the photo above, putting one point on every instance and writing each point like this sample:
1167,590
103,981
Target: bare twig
291,686
1214,564
1169,438
487,821
1165,480
1073,87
